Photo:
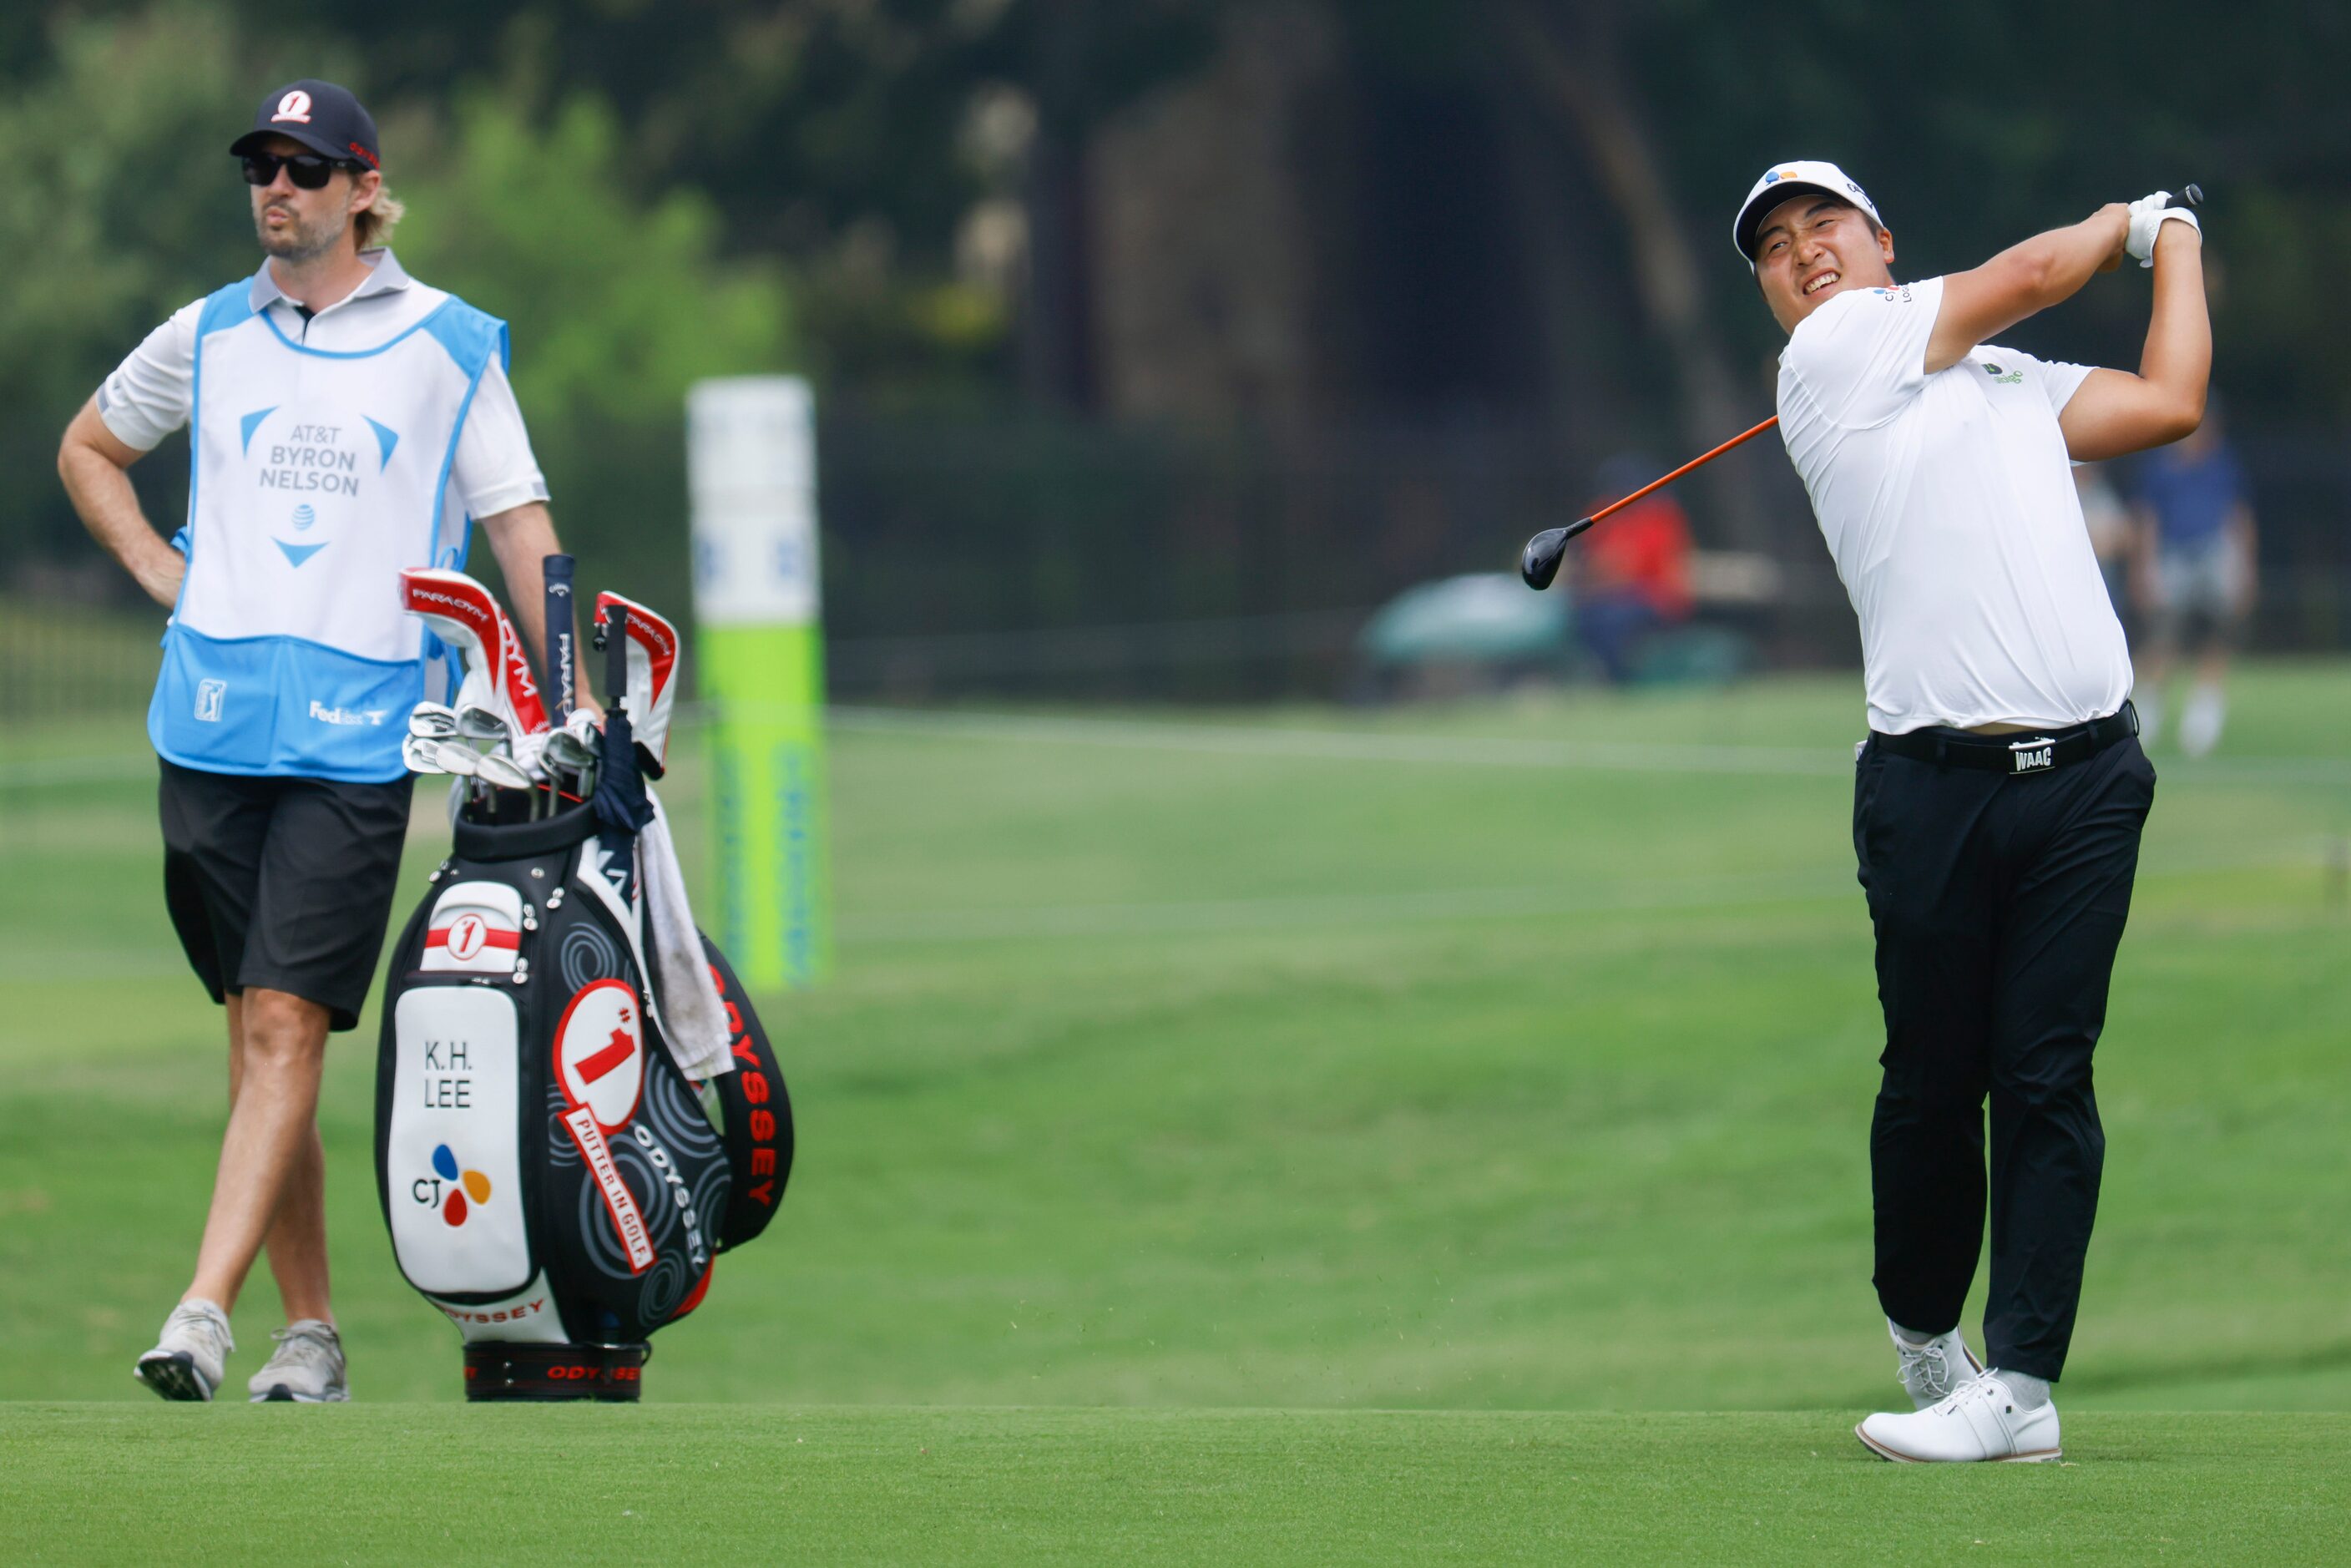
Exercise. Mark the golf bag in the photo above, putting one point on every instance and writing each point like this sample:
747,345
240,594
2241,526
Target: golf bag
551,1181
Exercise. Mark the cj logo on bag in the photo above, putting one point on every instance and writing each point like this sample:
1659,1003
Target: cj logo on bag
209,694
451,1186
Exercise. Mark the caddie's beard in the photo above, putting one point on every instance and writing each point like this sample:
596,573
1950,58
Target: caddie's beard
301,241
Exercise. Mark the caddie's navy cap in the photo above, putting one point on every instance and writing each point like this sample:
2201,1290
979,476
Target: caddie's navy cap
320,115
1782,181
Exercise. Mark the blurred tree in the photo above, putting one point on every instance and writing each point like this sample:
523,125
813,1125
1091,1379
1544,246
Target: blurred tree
615,307
841,139
116,218
120,206
930,174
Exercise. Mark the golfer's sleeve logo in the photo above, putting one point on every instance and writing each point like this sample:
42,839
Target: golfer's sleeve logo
294,106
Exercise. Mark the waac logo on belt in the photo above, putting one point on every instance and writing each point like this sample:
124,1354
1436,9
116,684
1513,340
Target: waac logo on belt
2032,756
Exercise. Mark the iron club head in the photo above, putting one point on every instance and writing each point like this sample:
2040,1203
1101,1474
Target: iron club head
500,772
456,756
432,721
422,753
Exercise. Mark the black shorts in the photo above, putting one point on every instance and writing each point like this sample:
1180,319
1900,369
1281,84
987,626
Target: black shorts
285,883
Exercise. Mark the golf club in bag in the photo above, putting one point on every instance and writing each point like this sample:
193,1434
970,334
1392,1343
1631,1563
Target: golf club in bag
552,1181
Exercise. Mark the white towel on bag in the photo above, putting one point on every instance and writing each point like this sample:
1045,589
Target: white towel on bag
691,1015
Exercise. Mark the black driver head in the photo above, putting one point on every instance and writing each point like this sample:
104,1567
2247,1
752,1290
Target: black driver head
1540,563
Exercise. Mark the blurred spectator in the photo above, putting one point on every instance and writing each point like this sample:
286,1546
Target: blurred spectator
2110,521
2194,576
1633,577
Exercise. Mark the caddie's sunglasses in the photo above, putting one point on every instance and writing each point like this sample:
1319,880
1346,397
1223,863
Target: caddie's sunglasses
307,170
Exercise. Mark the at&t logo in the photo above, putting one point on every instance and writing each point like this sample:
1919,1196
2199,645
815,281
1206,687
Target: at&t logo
451,1187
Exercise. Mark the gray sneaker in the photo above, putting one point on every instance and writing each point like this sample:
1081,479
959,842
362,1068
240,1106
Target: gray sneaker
191,1354
305,1369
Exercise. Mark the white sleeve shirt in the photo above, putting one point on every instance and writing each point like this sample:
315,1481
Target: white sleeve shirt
151,394
1947,502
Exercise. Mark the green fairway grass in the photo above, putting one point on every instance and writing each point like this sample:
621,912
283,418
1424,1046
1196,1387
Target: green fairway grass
565,1485
1510,1057
1515,1055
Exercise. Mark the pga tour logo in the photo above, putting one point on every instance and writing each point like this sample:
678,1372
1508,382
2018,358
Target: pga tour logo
2032,756
209,696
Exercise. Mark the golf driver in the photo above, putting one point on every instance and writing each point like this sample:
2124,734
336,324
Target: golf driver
1540,563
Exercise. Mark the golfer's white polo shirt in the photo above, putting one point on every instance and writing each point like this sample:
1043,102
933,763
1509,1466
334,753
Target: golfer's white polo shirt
1947,502
327,454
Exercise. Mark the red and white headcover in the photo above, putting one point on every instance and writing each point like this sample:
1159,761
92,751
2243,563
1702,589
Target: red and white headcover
652,675
464,613
476,928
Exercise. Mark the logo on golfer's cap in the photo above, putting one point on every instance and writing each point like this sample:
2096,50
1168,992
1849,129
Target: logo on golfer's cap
294,105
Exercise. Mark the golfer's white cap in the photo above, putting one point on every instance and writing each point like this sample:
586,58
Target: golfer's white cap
1782,181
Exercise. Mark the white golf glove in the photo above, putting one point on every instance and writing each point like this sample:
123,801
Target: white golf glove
2146,215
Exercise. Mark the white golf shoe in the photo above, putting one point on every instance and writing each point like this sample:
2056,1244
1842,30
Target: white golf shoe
191,1355
1980,1420
1932,1373
305,1369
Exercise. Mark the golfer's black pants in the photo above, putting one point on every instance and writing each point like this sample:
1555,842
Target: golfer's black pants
1999,902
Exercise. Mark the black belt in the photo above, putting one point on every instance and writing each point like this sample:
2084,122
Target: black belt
2027,751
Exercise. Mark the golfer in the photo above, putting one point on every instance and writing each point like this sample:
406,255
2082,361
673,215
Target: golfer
346,422
1999,799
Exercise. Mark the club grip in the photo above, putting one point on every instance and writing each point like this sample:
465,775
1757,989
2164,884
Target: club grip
615,643
561,655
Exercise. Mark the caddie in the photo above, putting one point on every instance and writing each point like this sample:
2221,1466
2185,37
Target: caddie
1999,798
344,421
